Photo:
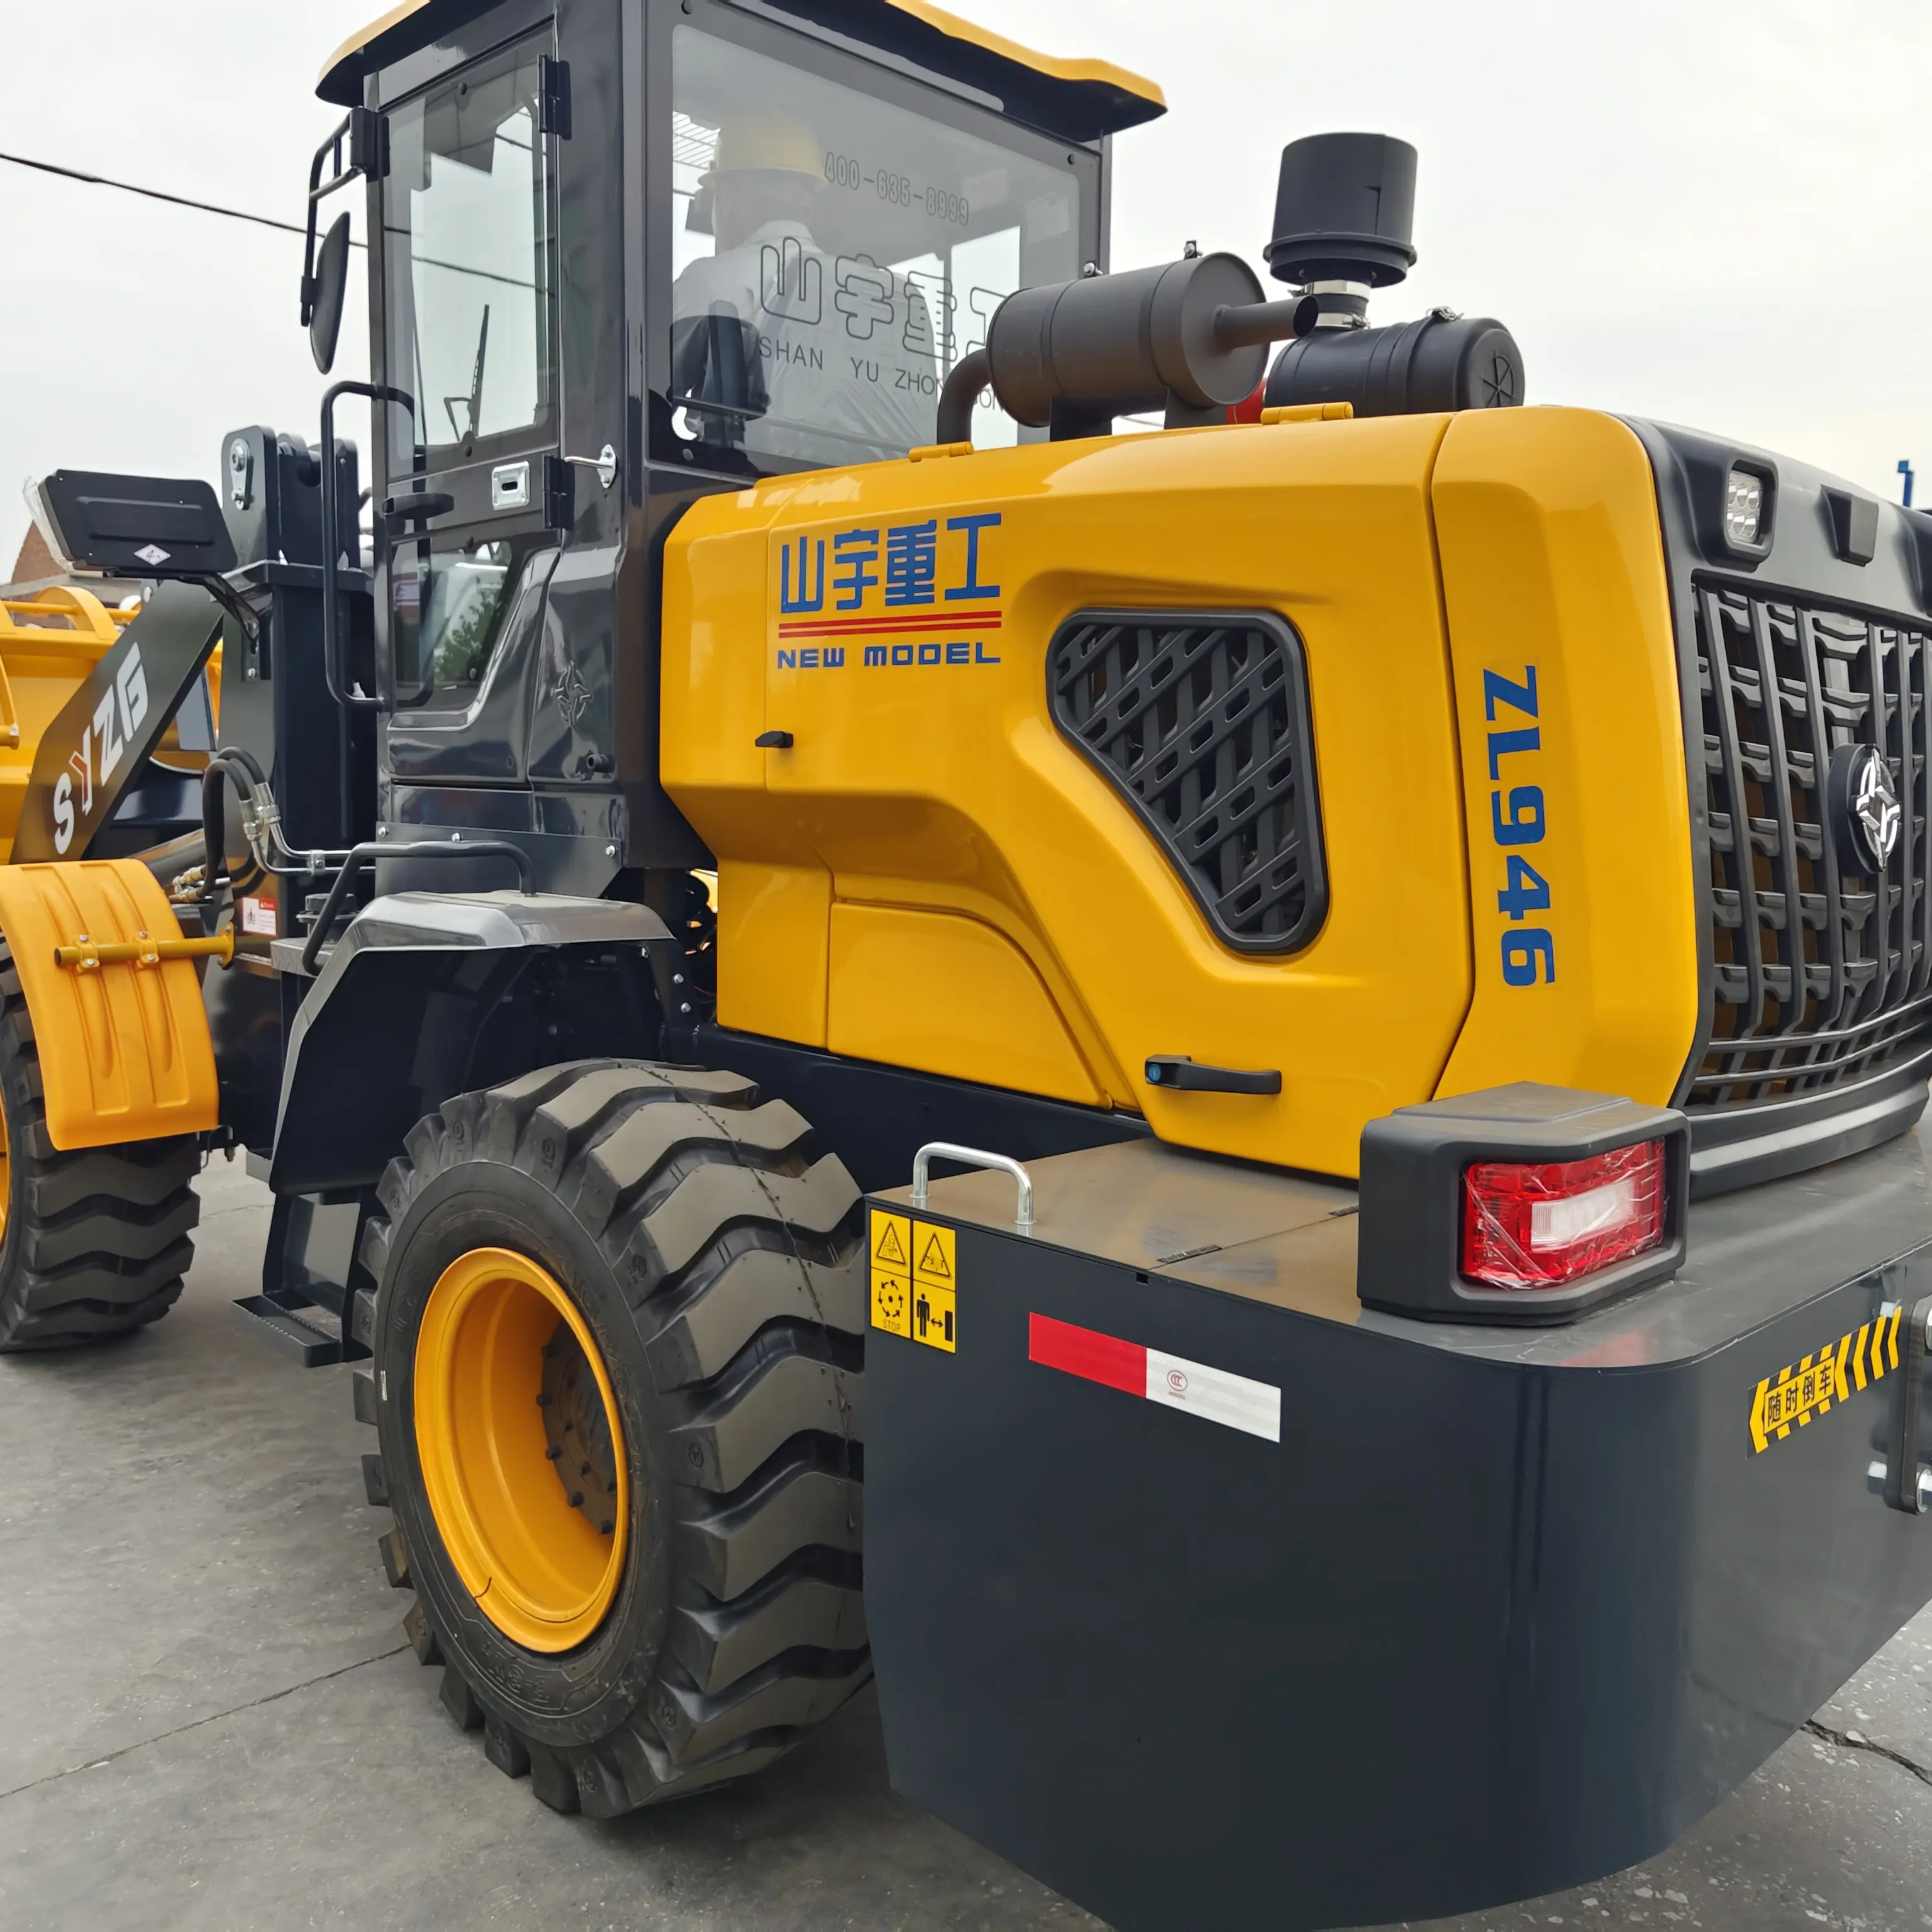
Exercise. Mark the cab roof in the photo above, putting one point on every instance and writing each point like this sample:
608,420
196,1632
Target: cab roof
1080,100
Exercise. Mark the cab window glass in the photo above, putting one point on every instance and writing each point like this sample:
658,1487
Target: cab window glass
447,609
470,243
834,255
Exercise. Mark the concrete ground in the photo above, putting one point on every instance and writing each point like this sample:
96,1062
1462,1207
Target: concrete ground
208,1717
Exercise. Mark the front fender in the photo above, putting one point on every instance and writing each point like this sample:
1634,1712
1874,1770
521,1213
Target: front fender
429,995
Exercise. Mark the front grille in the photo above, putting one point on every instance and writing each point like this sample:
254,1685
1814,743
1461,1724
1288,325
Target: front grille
1200,722
1821,970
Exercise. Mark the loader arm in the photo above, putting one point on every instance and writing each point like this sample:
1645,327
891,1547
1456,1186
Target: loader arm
107,729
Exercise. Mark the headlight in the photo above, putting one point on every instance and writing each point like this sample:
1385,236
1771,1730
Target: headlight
1743,509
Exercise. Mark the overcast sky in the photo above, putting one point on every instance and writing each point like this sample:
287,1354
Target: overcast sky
1712,213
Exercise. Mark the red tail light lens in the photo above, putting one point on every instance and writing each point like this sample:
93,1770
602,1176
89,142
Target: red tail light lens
1536,1227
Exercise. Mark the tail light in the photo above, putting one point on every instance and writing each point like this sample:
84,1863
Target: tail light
1546,1225
1524,1203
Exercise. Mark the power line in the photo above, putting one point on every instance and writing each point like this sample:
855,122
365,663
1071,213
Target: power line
242,214
152,194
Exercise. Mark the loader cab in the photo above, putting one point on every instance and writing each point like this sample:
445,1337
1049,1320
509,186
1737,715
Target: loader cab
631,253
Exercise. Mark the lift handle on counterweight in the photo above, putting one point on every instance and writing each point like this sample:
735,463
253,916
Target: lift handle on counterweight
972,1157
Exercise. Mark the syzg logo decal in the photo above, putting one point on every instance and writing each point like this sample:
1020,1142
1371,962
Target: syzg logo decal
102,745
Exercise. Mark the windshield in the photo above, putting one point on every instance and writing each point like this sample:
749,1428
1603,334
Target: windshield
835,255
468,229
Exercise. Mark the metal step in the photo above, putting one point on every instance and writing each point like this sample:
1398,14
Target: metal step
315,1349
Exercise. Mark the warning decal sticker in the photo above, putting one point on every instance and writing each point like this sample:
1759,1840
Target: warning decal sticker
1836,1373
913,1266
933,1301
892,1272
891,1237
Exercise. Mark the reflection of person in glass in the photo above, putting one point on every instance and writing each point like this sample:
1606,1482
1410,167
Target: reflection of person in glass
803,353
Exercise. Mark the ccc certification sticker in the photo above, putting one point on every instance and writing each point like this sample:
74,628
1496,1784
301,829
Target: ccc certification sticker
912,1265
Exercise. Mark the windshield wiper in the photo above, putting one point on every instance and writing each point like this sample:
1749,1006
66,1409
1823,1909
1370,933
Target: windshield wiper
475,398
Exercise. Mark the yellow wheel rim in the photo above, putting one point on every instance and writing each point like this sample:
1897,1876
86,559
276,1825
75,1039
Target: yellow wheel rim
496,1327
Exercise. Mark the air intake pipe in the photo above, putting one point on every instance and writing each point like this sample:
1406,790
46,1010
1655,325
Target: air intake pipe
1190,338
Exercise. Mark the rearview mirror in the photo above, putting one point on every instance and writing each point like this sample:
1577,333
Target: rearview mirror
331,285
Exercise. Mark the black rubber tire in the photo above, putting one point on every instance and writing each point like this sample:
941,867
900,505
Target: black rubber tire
96,1240
718,1259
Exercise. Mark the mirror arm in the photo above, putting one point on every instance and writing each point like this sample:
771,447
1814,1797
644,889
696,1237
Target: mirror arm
366,134
331,149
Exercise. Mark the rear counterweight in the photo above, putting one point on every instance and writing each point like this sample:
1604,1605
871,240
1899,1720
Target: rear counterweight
1497,1613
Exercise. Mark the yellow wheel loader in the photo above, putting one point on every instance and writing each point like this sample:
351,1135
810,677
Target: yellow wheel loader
94,1237
1238,1101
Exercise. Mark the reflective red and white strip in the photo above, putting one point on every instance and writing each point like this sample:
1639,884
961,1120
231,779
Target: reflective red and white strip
1215,1394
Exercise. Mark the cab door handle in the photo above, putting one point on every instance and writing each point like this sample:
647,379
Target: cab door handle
1186,1076
418,506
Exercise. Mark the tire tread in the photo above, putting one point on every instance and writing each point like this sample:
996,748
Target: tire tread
737,1244
97,1240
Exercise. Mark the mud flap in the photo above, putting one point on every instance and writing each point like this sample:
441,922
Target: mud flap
124,1052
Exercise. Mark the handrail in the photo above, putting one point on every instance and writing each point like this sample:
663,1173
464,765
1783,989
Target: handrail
972,1157
334,671
457,847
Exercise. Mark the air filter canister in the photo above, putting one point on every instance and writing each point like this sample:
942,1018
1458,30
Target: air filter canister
1412,368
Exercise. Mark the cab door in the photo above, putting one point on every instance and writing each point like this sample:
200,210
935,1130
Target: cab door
465,506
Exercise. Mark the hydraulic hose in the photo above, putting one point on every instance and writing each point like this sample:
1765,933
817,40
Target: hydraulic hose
214,827
225,763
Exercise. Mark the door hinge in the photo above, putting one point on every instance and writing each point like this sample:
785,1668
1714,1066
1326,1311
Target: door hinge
554,97
559,495
369,143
